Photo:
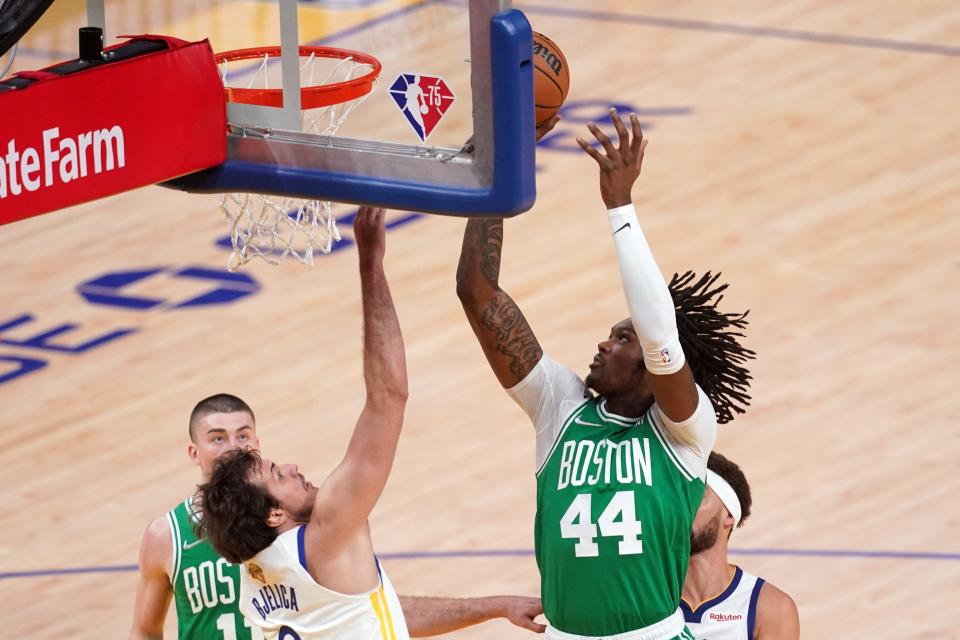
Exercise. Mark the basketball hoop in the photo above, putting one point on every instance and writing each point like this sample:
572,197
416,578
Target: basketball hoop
275,227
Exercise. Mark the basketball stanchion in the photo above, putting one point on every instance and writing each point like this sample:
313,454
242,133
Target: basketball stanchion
125,127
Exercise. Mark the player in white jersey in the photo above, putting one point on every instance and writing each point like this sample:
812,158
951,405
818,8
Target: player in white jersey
721,601
309,570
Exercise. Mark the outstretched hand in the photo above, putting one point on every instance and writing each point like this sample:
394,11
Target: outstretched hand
368,231
619,166
522,611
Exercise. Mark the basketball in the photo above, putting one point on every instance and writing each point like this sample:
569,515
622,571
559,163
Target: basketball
551,78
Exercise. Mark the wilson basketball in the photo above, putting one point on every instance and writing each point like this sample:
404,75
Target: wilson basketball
551,78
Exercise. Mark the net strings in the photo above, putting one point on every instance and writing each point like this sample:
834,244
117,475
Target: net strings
275,228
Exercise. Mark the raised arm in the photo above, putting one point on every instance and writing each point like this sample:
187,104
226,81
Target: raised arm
648,298
433,616
350,492
153,587
503,332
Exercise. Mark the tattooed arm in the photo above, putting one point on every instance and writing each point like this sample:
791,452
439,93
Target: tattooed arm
505,337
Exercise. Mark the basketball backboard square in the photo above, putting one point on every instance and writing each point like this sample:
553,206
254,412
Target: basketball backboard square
492,174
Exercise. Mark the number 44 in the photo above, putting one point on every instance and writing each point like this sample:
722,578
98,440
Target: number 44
577,523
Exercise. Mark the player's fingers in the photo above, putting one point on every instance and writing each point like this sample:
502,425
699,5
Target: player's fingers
536,627
368,218
360,219
604,140
593,153
549,124
639,158
547,127
621,131
637,134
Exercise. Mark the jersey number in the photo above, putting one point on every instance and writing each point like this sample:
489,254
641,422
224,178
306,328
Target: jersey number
577,523
226,626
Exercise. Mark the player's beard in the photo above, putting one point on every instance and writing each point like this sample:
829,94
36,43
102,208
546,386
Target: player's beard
705,538
305,513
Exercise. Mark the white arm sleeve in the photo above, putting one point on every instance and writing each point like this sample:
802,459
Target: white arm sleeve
548,394
648,298
693,439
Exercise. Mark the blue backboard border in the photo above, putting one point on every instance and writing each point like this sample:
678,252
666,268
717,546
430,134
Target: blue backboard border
498,181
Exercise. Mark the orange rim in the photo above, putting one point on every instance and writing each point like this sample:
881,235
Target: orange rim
310,97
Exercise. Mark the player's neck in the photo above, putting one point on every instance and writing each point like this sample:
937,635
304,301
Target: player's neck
708,574
627,406
288,524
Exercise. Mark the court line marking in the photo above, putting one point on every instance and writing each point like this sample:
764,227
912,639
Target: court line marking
822,37
512,553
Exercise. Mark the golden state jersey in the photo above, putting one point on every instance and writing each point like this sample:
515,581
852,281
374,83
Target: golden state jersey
279,595
731,615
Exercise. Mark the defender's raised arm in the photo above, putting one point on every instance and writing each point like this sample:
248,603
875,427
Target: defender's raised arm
346,498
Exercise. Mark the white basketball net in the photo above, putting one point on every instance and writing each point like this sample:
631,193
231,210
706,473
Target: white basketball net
274,228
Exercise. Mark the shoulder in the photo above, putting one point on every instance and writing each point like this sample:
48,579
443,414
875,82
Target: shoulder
156,545
777,614
694,437
549,376
773,598
158,533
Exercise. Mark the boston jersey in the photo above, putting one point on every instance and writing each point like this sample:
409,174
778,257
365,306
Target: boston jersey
279,595
616,498
205,586
732,615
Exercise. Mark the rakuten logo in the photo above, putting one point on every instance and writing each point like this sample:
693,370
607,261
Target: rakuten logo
725,617
66,159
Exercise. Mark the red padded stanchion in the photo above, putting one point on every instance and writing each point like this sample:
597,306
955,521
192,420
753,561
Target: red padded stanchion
74,138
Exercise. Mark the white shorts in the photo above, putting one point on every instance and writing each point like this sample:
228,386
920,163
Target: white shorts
668,628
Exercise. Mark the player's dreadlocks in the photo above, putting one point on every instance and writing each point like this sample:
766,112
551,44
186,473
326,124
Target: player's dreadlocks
710,342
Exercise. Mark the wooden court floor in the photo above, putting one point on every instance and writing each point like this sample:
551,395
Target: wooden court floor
808,150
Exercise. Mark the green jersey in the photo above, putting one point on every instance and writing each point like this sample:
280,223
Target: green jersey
616,498
206,587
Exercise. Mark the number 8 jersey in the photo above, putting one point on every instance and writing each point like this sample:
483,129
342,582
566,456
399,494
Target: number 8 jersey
616,498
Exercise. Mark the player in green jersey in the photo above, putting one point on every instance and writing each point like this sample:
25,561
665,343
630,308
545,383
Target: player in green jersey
621,456
174,564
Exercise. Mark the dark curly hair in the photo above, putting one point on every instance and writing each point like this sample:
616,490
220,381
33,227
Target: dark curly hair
710,341
232,510
731,472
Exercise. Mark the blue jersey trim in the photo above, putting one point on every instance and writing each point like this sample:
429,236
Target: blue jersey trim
301,551
695,615
752,610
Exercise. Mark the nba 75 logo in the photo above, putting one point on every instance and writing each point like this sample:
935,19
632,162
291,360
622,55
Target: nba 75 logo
423,100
